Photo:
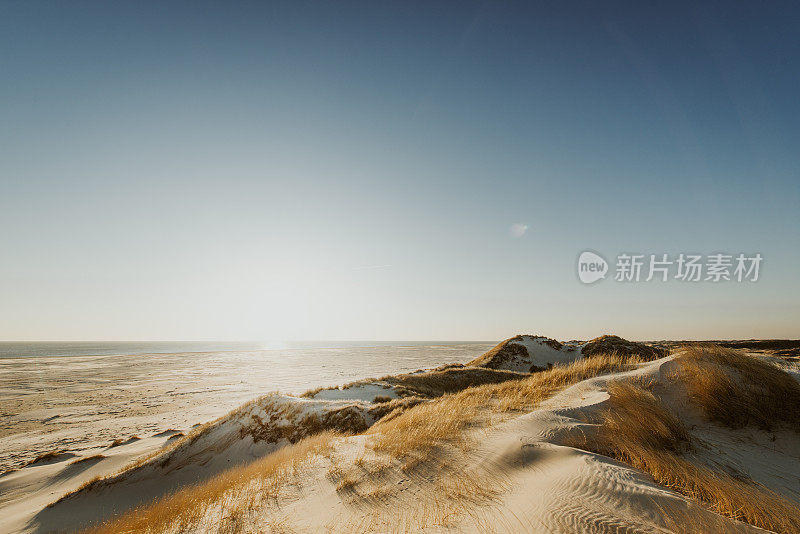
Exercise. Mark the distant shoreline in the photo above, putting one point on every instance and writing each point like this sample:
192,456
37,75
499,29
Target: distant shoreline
26,349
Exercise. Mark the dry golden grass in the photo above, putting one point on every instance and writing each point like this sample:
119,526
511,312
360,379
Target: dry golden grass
451,380
346,483
637,418
93,458
117,442
433,383
86,485
373,464
415,440
638,429
529,393
51,455
449,492
608,344
247,486
738,390
416,433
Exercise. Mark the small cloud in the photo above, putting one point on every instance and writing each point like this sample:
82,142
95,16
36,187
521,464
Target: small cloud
369,267
517,230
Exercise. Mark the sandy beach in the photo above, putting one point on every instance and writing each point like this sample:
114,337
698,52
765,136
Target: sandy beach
80,403
371,456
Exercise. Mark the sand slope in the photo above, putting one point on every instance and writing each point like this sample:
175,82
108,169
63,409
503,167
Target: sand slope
520,473
522,478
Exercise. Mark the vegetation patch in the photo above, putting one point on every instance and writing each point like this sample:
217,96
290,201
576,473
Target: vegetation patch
88,459
117,442
639,429
50,456
738,390
418,432
617,345
433,383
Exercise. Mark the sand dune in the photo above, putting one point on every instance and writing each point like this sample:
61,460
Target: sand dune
480,447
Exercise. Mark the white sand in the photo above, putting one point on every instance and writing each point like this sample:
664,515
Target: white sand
79,403
543,355
541,485
549,487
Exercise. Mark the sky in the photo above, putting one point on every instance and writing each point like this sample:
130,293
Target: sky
394,170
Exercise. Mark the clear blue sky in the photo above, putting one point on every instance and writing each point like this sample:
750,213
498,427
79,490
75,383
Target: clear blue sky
336,170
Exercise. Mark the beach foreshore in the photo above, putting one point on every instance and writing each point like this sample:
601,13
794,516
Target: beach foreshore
83,402
534,435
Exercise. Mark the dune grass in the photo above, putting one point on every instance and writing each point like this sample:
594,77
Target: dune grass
416,433
636,428
636,418
433,383
614,344
119,441
450,380
93,458
246,486
409,434
46,457
448,497
738,390
639,429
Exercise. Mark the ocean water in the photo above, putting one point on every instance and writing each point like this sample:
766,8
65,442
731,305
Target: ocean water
78,396
27,349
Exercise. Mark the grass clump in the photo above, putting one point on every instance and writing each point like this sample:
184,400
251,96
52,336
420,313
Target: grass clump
737,390
430,384
89,484
345,481
47,457
93,458
117,442
450,380
636,419
608,344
